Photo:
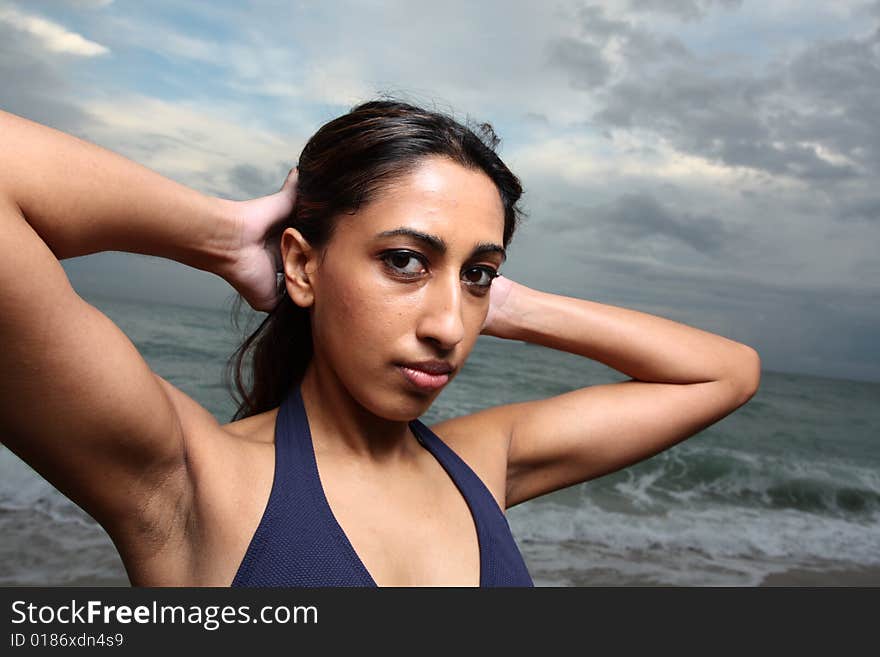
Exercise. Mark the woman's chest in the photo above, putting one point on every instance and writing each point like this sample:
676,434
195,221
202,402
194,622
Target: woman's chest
409,528
403,526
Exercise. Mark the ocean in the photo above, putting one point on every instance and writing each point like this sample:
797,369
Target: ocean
786,490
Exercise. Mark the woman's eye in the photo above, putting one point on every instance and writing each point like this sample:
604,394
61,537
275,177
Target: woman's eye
402,262
480,276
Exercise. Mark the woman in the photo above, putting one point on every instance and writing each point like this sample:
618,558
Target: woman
390,237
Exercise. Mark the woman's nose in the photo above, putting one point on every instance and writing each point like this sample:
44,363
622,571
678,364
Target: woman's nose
440,319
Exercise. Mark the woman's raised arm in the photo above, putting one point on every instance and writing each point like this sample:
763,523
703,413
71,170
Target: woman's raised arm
77,401
683,379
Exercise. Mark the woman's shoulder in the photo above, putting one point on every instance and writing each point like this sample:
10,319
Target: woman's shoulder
480,440
198,422
259,428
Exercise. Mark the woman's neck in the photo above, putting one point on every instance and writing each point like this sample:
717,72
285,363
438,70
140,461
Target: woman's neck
340,424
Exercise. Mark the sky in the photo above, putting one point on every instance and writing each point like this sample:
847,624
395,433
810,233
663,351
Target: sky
713,162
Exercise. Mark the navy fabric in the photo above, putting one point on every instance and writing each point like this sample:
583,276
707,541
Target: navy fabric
299,542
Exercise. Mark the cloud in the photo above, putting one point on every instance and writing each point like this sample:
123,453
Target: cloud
866,209
216,152
641,227
684,9
252,181
808,116
740,122
584,158
52,36
583,59
729,284
35,85
640,217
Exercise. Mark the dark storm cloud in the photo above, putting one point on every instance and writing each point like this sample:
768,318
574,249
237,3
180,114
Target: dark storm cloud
839,82
864,209
822,330
642,216
811,117
249,178
734,121
252,181
635,219
583,60
635,44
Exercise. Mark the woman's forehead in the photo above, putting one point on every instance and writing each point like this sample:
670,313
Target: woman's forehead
439,198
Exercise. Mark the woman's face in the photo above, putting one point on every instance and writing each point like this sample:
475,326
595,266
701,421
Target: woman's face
382,300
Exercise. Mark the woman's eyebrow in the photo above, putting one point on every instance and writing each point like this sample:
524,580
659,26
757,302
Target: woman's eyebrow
437,244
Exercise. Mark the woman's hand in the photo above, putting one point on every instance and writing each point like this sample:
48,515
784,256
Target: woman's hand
256,254
499,306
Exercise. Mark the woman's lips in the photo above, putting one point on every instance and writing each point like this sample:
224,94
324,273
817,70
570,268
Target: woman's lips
423,380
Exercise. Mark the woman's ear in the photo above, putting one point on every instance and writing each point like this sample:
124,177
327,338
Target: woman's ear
299,260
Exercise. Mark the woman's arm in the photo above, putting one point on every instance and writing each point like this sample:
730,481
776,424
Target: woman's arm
77,401
683,379
80,198
645,347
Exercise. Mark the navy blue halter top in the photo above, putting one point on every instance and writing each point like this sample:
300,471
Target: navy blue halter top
300,543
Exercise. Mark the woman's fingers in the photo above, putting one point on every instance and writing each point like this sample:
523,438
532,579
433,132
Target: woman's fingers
257,259
290,182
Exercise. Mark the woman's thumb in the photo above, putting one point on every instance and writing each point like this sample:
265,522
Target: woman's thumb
290,181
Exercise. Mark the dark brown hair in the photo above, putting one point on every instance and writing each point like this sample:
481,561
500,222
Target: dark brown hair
344,165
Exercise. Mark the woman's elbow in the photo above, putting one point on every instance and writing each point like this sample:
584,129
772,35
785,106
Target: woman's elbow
748,373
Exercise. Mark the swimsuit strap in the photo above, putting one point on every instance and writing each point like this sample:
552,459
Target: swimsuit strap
298,541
